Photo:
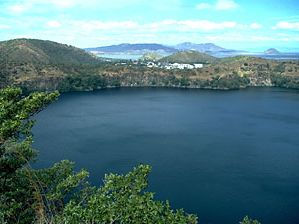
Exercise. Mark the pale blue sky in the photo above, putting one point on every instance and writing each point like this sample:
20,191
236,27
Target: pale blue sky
237,24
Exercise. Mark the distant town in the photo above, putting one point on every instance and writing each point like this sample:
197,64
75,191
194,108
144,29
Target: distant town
163,65
173,65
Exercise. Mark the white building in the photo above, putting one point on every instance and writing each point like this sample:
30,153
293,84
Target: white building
169,66
151,65
188,66
181,66
198,65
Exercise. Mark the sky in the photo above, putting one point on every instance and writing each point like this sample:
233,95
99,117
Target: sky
253,25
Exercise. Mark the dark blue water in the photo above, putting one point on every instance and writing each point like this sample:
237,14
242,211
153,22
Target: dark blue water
220,154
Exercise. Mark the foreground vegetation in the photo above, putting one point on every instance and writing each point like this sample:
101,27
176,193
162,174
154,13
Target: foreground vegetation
59,194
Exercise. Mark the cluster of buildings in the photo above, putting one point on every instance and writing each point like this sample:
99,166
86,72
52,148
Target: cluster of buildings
173,65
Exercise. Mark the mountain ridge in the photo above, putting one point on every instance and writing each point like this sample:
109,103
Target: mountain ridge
125,47
202,47
45,65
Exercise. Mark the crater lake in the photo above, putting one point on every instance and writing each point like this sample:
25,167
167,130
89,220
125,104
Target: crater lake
220,154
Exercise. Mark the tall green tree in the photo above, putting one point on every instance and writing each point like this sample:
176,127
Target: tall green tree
18,188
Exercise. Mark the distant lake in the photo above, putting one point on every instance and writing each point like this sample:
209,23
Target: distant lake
121,56
220,154
282,56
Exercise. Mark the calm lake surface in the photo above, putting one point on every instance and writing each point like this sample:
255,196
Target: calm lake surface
220,154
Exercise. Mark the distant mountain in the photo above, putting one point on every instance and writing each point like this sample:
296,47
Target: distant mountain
189,57
137,48
204,47
209,48
271,51
43,52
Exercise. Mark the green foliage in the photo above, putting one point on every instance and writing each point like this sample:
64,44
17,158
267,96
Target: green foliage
16,195
122,200
232,81
16,189
15,111
184,82
285,81
56,186
79,83
248,220
279,68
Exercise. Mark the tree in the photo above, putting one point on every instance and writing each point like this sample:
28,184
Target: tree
16,191
122,199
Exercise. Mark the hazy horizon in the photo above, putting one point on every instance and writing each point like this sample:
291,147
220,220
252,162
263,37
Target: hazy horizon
232,24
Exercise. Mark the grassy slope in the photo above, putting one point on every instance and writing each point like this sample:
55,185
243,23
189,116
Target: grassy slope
42,52
189,57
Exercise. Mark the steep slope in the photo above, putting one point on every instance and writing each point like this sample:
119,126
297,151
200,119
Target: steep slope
44,62
189,57
43,52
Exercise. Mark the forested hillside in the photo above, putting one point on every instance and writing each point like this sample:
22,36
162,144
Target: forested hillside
45,65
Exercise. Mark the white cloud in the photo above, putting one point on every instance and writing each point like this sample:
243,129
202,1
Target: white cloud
19,8
226,5
218,5
203,5
24,36
255,26
4,27
287,25
62,3
23,6
86,33
105,25
231,37
42,5
160,26
205,25
53,24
